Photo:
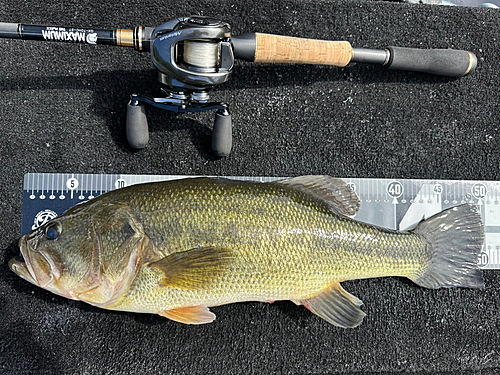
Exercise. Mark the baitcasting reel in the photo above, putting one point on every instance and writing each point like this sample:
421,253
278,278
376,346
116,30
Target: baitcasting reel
194,54
191,55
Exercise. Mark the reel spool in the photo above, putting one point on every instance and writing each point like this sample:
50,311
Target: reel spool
200,55
191,55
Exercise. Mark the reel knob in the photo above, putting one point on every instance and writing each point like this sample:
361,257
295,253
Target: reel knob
137,125
222,134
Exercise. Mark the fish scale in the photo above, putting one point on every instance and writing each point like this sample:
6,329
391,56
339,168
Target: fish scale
314,251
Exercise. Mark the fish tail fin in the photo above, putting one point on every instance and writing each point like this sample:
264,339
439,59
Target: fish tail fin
454,239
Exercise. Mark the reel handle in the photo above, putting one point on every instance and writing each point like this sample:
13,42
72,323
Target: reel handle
269,48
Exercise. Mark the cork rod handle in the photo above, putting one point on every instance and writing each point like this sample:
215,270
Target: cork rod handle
285,49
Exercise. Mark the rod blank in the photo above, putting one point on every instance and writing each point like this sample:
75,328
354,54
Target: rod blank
372,56
139,37
9,30
270,48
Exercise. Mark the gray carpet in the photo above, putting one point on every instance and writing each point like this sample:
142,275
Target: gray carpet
63,110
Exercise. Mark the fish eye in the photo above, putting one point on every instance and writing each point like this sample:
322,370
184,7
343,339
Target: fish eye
52,231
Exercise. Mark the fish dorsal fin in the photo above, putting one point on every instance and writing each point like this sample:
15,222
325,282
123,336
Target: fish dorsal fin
192,269
336,306
189,315
333,191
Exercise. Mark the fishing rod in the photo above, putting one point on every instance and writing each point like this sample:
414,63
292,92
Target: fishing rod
194,54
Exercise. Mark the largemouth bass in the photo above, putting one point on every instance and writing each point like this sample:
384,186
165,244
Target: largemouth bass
177,248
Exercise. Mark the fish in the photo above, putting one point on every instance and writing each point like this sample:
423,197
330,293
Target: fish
177,248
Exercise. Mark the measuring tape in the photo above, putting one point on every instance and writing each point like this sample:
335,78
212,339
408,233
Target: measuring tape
389,203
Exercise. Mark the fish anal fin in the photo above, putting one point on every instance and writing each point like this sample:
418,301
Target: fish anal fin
189,315
336,306
339,197
192,269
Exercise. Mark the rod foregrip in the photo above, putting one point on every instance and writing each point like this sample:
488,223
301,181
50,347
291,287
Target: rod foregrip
290,50
444,62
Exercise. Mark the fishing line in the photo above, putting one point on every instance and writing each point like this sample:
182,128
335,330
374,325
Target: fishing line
201,54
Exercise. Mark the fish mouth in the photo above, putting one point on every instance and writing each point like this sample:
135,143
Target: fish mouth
18,266
33,266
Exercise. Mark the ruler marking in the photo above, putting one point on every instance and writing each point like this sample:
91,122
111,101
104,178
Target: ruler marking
394,203
52,187
33,186
79,188
86,177
91,187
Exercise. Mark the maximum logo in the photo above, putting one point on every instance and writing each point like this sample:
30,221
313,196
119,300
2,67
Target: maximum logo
92,38
73,35
42,217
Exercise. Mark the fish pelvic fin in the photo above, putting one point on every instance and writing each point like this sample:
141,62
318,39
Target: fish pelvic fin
336,306
192,269
339,197
189,315
454,240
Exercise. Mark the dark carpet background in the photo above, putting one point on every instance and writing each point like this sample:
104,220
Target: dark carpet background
63,110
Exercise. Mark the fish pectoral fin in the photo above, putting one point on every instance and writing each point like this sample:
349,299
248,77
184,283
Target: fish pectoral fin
189,315
336,306
192,269
339,197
